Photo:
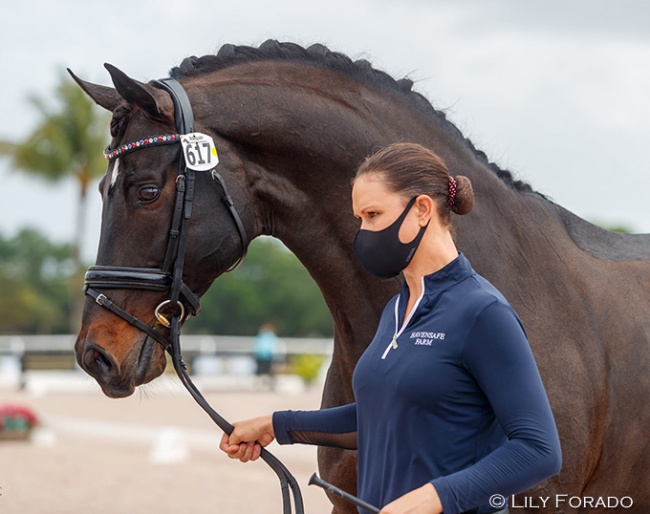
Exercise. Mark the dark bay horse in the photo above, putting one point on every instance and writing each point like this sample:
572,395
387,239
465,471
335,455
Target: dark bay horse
291,126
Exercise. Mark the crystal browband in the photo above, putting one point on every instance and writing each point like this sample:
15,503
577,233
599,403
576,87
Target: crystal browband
142,143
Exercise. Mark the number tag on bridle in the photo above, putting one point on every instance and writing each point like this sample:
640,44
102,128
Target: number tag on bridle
199,151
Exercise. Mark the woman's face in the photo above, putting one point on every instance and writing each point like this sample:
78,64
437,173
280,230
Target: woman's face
377,207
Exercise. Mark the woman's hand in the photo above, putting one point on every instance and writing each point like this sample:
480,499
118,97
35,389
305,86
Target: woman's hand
247,439
423,500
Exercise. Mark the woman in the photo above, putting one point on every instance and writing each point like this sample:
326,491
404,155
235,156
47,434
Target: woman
450,409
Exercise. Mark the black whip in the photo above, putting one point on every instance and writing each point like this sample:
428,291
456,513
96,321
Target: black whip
316,480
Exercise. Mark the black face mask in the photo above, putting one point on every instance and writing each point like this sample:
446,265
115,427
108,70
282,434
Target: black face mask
381,252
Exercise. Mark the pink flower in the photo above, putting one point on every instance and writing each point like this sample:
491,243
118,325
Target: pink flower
17,417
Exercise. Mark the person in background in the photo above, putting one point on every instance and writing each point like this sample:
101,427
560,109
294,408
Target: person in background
265,348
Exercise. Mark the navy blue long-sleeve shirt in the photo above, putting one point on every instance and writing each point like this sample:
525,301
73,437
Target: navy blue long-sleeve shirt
457,400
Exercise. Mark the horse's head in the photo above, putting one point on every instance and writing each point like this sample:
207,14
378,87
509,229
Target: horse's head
146,234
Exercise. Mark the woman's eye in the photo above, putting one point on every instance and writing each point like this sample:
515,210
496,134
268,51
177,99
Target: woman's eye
148,194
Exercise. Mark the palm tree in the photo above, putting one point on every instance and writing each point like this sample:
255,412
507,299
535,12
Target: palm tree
67,142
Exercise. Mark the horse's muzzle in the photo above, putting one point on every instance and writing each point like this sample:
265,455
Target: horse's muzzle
99,364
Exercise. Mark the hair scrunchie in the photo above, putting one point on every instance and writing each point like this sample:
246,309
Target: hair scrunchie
452,190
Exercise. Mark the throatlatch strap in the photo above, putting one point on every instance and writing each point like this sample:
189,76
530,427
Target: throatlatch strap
227,199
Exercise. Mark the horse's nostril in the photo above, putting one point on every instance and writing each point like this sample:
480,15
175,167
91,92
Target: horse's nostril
101,361
98,361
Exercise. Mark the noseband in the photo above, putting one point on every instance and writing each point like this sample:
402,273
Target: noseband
182,302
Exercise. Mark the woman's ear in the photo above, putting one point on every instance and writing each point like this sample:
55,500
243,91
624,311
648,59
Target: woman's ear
425,209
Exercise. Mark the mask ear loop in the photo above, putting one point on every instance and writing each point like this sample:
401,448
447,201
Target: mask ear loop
406,211
416,240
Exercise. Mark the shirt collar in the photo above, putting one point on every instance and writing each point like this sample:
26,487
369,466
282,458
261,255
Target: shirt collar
454,272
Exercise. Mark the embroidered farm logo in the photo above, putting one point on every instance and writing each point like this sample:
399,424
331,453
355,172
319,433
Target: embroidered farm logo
427,338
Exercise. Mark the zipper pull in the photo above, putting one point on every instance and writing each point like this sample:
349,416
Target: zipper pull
391,345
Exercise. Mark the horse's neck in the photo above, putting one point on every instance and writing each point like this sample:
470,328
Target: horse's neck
303,132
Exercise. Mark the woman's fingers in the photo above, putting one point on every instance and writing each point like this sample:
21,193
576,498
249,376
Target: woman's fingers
248,452
257,451
243,452
247,439
226,446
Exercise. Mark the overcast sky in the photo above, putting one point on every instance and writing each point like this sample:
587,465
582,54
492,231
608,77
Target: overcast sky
557,91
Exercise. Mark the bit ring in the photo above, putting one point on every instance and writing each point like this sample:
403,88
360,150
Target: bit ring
162,319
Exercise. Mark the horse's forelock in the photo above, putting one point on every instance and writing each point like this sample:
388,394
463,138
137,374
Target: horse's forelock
119,115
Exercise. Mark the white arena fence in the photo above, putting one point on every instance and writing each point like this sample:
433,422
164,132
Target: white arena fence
206,355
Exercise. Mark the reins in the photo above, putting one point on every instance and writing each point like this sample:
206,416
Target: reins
170,275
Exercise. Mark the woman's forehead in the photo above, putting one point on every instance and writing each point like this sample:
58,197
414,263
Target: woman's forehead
373,182
369,185
370,190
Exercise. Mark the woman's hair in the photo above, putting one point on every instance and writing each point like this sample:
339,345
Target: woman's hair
411,169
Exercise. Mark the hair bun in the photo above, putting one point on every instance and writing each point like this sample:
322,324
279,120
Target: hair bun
464,198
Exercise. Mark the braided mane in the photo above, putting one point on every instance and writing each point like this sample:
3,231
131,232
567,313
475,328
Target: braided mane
317,54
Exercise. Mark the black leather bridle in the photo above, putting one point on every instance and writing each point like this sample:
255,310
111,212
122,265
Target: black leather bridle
170,276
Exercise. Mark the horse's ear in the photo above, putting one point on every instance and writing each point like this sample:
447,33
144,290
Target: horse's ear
106,97
155,103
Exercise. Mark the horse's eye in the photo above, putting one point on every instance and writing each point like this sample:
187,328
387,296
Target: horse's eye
148,194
